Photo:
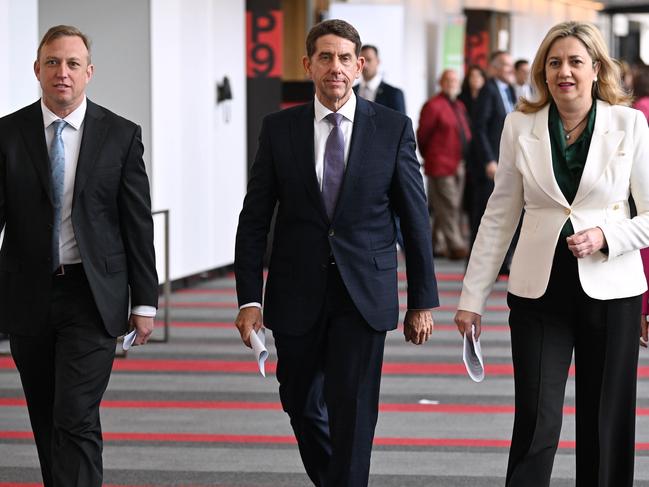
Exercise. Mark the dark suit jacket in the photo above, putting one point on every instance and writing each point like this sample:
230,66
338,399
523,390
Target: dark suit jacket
382,178
388,96
488,120
111,216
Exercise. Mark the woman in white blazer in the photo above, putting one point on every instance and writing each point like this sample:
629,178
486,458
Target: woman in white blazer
569,160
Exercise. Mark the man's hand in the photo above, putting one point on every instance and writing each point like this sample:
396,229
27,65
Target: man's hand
418,325
644,334
248,319
464,320
143,326
490,169
586,242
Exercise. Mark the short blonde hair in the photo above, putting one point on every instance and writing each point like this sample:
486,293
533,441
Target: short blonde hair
62,31
609,83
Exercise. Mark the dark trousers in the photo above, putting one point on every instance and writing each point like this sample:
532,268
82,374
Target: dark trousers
64,374
604,336
329,386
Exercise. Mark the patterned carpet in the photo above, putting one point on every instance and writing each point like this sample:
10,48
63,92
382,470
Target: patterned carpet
193,412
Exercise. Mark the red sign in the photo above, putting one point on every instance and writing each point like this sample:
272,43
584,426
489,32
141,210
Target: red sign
264,43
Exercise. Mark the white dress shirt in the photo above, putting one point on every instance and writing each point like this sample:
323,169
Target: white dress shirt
72,134
321,129
368,89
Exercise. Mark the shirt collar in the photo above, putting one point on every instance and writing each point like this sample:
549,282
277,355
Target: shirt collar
74,119
347,110
501,84
372,84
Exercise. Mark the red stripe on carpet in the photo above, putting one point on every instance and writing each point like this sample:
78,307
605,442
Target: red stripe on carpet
276,406
389,368
233,305
233,292
276,439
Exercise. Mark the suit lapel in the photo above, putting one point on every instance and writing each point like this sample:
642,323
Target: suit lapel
603,146
362,134
33,133
94,133
304,154
538,153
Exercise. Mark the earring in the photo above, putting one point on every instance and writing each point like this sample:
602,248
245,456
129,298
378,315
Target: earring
595,80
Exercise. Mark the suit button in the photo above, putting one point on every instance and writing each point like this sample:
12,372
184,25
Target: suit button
331,233
324,267
567,211
50,226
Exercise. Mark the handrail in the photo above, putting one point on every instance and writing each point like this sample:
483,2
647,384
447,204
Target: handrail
166,286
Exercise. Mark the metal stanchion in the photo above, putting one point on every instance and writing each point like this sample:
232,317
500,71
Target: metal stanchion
166,286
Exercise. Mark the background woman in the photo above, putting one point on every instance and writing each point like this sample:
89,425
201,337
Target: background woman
570,159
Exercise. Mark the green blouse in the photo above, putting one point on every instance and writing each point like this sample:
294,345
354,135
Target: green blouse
568,161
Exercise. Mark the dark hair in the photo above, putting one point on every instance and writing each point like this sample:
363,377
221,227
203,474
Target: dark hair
470,69
336,27
62,31
370,46
495,55
520,62
641,82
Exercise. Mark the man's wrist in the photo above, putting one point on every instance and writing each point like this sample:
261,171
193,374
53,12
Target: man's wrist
250,305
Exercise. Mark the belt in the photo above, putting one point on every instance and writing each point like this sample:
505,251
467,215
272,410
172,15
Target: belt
68,270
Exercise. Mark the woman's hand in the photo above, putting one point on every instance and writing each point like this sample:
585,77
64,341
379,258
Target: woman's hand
464,320
586,242
644,334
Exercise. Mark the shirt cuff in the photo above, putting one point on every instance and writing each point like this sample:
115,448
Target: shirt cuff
250,305
148,311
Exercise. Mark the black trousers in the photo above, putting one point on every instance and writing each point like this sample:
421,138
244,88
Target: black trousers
329,386
64,375
604,336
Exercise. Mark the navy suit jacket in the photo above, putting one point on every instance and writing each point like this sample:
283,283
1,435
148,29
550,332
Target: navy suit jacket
388,96
488,120
382,178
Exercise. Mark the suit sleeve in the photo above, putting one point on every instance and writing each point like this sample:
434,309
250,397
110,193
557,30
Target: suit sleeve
136,223
254,223
631,234
482,116
399,101
409,200
3,182
497,227
427,122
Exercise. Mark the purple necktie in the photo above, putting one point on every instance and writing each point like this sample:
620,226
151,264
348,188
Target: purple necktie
334,164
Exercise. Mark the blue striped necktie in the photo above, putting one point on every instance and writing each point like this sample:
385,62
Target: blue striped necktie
57,159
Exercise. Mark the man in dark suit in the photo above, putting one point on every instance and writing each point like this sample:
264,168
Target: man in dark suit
373,88
75,207
338,169
495,101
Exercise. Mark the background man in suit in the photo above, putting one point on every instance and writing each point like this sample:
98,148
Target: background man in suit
75,207
373,88
331,292
495,101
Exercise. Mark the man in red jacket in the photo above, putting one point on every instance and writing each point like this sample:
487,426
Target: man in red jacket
443,137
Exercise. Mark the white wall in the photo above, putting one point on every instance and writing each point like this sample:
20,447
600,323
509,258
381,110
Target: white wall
199,168
18,43
119,35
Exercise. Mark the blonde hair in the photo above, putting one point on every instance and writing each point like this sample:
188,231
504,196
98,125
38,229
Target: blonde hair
608,86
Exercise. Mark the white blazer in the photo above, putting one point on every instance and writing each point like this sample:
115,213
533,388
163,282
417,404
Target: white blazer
617,165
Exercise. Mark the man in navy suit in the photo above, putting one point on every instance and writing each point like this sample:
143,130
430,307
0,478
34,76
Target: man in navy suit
373,88
338,169
496,99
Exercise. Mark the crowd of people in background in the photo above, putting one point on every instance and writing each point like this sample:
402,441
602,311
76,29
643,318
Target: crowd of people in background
458,138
